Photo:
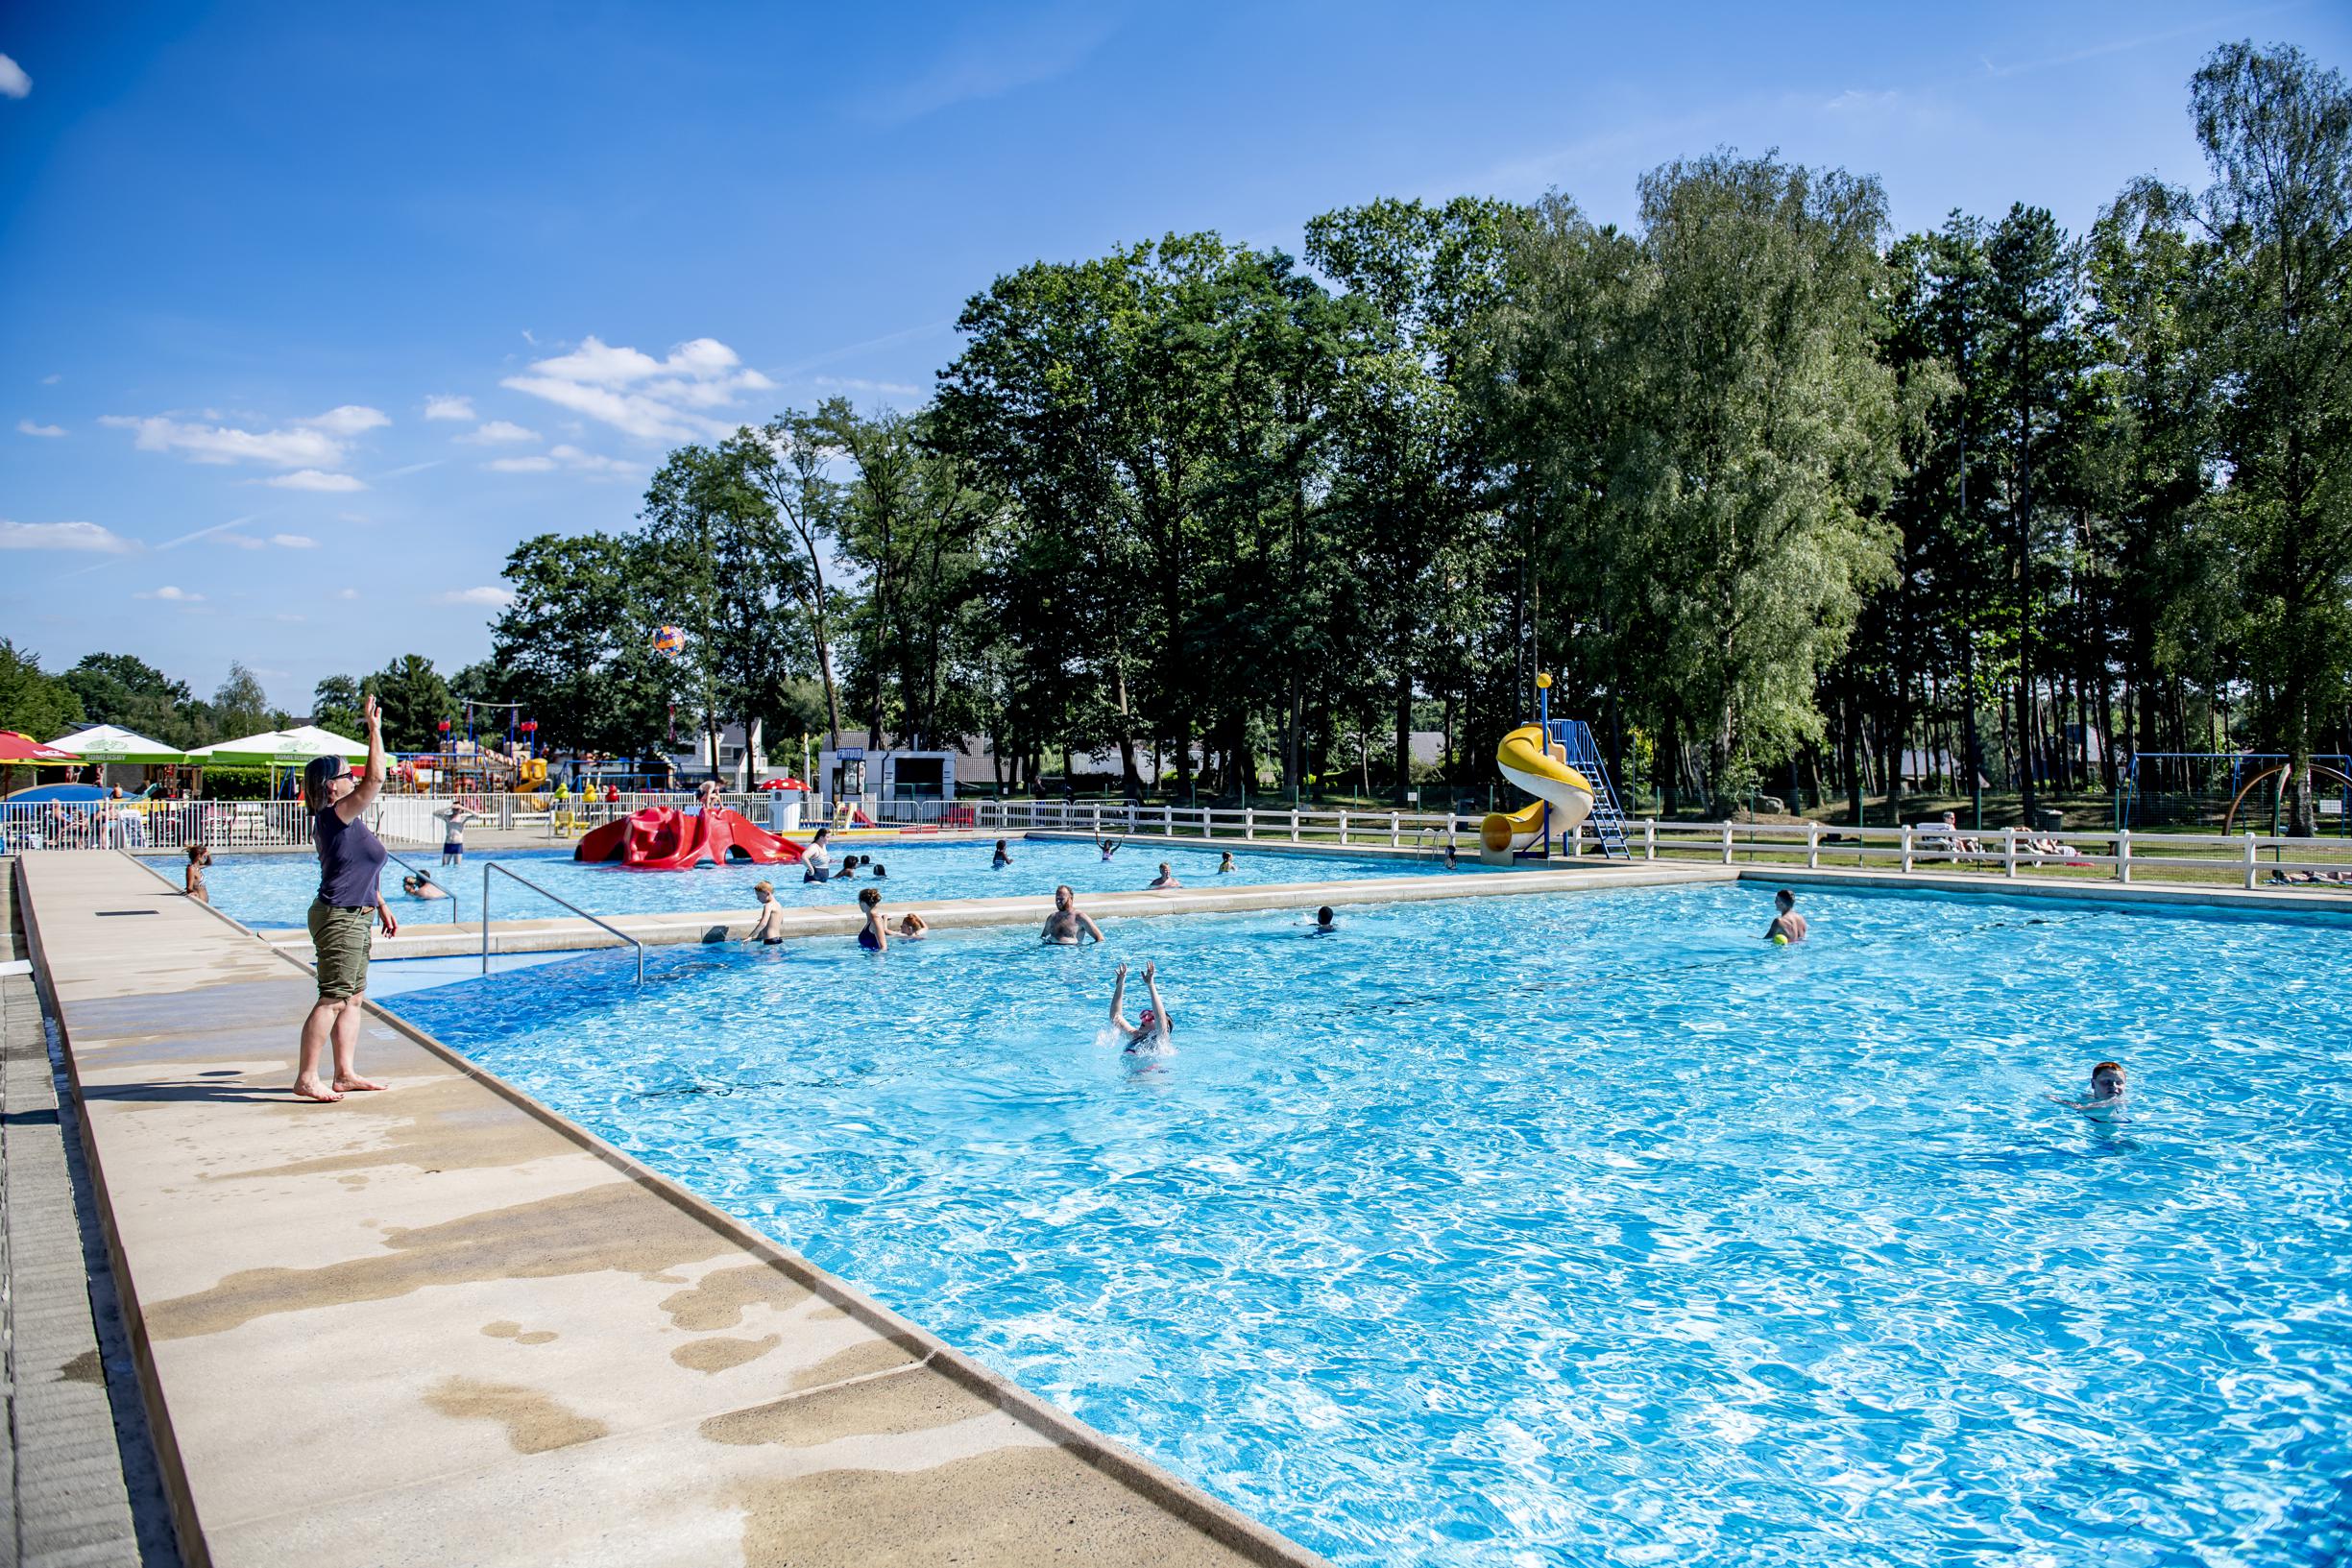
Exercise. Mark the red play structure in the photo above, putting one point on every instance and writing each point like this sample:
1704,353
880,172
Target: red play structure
664,838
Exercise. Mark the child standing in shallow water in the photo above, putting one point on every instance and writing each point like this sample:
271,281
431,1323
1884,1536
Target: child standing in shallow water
199,857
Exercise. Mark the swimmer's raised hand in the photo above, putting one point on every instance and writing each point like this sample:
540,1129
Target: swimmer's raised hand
1150,969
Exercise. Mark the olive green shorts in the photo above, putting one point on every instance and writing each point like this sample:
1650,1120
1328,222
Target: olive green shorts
339,939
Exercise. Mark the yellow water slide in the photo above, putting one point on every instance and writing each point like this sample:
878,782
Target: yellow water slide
1543,772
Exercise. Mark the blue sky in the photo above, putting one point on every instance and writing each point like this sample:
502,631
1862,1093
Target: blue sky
308,314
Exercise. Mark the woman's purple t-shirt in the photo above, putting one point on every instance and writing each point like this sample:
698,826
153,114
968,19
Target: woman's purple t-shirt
350,860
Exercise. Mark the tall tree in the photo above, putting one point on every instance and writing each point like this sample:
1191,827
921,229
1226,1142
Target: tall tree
334,705
576,644
415,699
241,707
2277,130
784,462
32,701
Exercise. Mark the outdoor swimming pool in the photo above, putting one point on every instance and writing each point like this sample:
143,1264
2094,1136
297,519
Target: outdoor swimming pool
274,890
1570,1228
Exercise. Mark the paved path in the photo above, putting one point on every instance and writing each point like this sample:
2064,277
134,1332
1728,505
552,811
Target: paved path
64,1499
441,1325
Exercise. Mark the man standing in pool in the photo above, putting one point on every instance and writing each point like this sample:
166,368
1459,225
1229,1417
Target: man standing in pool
1787,926
1150,1032
1065,926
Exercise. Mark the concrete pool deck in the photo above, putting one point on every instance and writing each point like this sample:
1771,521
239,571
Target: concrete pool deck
443,1325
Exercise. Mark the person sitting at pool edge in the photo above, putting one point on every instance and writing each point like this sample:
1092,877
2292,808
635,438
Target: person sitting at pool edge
1065,926
1003,859
912,927
816,861
1225,864
1153,1029
875,936
769,929
422,885
1167,877
1787,927
1326,923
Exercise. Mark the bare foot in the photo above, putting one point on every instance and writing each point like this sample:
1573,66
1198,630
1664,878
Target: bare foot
312,1089
358,1085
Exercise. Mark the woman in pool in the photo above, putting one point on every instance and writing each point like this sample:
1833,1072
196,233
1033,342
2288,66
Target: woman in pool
1151,1031
1225,864
351,866
1003,859
769,929
875,935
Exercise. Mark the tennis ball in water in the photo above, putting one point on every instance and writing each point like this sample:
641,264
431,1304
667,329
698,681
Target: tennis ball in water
1779,941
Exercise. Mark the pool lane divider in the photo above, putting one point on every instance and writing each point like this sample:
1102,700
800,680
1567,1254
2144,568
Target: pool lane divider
519,1344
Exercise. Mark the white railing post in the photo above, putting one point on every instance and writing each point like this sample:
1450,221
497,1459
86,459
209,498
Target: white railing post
1395,825
1812,846
1167,821
1249,823
1293,824
1342,827
2008,852
1907,846
2122,854
1098,819
1727,843
1649,838
2250,861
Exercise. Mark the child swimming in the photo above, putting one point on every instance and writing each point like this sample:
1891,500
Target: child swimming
1151,1031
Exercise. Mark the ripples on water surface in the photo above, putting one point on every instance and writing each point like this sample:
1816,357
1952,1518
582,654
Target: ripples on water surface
274,890
1571,1229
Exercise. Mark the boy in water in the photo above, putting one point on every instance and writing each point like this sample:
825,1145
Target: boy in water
1003,857
1150,1032
1326,923
1787,927
769,929
2106,1088
1167,877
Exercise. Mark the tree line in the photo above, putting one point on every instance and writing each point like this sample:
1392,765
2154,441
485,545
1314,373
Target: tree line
1782,498
1787,501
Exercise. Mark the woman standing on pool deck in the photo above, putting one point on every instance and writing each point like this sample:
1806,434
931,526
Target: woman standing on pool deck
351,866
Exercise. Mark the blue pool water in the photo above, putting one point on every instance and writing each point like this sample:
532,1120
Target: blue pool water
1571,1229
274,890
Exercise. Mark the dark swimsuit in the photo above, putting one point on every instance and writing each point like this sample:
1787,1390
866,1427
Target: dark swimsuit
868,941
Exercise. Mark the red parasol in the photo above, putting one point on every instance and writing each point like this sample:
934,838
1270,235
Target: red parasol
23,748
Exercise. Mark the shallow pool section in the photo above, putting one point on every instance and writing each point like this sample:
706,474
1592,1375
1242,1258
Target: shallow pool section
269,891
1571,1229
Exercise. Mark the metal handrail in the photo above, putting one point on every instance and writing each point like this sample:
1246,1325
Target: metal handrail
489,866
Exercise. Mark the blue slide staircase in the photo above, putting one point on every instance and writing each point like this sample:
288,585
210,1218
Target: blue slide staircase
1574,737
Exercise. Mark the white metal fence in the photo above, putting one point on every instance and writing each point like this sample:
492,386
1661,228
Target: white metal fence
136,825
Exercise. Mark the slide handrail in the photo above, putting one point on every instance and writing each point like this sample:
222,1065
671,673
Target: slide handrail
489,866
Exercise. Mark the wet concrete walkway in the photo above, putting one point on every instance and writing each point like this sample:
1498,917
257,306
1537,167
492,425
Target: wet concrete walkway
441,1325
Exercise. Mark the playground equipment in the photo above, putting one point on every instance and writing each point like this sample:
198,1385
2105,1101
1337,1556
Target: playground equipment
2343,790
1558,762
664,838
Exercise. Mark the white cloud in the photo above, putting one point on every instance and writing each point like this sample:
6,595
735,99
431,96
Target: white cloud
567,456
1854,100
346,594
294,541
64,535
13,82
240,541
320,442
359,517
31,429
314,480
172,596
349,421
498,432
665,399
448,408
51,380
496,598
854,383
